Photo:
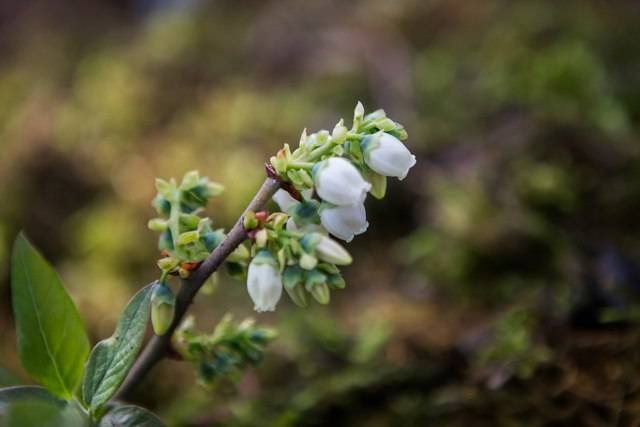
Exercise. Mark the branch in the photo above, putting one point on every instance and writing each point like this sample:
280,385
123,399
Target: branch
157,348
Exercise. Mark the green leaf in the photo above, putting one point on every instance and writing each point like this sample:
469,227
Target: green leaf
112,358
31,406
130,416
52,341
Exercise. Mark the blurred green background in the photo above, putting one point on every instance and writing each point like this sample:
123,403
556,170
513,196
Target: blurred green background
498,285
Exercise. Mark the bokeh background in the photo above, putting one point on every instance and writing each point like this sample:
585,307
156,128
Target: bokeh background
498,285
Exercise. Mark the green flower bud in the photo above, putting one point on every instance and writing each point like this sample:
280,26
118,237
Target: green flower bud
188,237
214,189
278,219
282,258
336,281
308,261
157,224
339,133
316,284
165,188
378,184
279,164
189,221
385,124
321,293
358,114
162,308
292,278
261,238
168,263
250,221
327,249
190,180
298,295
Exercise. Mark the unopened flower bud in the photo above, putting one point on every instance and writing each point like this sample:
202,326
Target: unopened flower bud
358,113
261,238
337,181
157,224
308,261
167,263
188,237
190,180
321,293
278,219
387,155
190,221
385,124
165,188
336,281
293,278
303,137
264,283
214,189
339,133
250,221
262,216
162,308
331,251
378,184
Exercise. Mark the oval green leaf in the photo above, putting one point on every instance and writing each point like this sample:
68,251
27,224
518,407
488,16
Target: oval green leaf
112,358
29,406
52,341
130,416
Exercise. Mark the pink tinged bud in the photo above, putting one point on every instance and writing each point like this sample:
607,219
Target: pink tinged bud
345,222
337,181
388,156
264,283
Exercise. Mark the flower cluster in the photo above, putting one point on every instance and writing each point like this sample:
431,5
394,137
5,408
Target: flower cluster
325,183
186,238
226,351
299,262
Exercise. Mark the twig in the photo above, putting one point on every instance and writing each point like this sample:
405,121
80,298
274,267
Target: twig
157,348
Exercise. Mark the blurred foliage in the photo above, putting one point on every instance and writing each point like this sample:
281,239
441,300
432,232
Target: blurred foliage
226,352
497,285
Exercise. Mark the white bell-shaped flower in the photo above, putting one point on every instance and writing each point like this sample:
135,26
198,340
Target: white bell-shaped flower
284,200
387,155
339,182
345,222
264,282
